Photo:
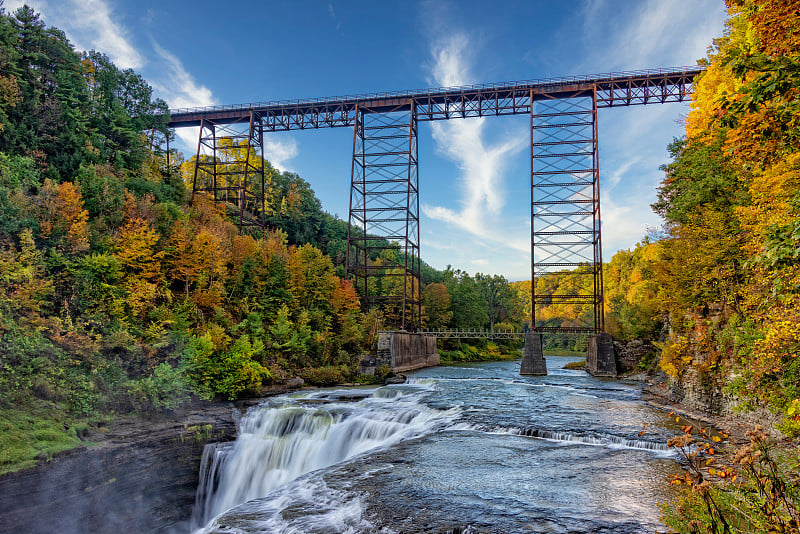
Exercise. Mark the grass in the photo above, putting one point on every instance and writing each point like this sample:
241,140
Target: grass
576,365
28,433
564,352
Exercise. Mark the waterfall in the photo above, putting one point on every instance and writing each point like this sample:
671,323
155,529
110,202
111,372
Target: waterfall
287,437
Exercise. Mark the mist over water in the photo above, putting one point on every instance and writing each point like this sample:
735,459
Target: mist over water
473,445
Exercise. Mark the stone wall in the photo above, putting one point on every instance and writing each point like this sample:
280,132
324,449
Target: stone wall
698,391
630,354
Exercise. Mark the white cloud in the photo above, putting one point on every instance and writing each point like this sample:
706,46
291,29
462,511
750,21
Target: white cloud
653,33
279,151
462,141
90,25
176,85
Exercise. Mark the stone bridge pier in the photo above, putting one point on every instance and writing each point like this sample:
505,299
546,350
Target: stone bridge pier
403,351
600,356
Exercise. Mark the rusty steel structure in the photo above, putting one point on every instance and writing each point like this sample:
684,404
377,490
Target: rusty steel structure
383,234
565,206
229,167
383,252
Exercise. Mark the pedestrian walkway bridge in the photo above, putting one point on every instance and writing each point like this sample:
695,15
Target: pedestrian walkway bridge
452,333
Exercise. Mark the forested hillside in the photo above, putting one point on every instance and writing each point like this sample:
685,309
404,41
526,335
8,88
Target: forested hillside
118,295
728,272
725,276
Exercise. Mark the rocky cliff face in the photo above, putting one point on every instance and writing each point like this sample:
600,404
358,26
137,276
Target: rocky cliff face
630,354
697,391
141,476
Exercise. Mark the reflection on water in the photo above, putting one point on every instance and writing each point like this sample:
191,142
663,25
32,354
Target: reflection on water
471,445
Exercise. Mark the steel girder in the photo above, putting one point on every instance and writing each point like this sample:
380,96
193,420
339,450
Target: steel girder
383,254
566,257
613,90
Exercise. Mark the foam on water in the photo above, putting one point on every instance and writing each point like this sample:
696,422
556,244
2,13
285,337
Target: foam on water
280,441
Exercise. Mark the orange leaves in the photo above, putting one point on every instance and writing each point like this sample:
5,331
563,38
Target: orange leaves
344,298
64,215
777,25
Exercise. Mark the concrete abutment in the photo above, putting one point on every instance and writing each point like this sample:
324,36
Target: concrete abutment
403,351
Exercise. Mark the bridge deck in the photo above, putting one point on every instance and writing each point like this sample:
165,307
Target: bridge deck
511,98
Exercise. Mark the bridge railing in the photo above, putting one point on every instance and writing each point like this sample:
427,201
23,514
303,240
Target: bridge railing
439,90
454,333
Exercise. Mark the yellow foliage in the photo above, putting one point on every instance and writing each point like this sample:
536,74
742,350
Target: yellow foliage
713,85
135,247
772,193
781,345
673,355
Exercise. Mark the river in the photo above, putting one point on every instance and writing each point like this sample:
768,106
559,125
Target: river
475,447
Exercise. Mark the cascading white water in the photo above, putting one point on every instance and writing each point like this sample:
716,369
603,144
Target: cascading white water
281,440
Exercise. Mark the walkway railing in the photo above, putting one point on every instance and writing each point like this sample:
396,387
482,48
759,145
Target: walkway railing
456,333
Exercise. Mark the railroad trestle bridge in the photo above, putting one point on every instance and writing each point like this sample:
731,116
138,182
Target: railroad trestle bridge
384,193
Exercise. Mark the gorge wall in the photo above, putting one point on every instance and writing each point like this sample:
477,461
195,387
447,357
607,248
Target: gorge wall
140,476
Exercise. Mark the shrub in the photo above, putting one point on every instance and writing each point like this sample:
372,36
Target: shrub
164,390
231,371
753,489
324,376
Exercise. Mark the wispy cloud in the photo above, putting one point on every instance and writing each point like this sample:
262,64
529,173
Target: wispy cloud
332,13
279,151
176,85
93,25
652,33
179,88
90,25
462,141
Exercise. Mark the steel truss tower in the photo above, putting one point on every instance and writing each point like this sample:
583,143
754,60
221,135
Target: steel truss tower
383,232
565,210
383,236
229,167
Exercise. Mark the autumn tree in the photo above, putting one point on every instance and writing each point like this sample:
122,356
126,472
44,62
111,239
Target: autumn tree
436,306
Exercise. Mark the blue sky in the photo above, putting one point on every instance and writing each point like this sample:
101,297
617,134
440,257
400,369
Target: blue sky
474,173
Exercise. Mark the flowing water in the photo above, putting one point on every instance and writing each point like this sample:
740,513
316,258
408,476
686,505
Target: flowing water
475,446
